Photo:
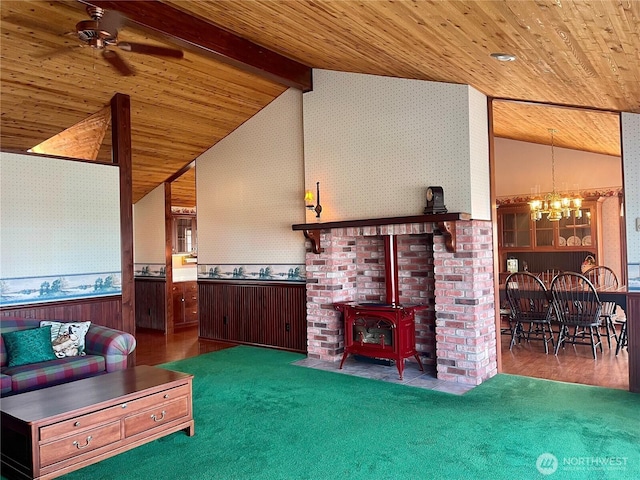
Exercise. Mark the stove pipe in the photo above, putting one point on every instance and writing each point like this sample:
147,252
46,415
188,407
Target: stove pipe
391,269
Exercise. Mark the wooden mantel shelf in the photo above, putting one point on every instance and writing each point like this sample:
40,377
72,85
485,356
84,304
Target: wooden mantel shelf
446,224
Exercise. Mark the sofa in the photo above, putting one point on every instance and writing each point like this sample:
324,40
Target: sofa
105,350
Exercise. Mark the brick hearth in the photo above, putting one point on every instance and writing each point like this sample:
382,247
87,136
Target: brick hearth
456,332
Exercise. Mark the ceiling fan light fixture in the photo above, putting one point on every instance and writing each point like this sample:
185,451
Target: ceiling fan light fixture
102,31
503,57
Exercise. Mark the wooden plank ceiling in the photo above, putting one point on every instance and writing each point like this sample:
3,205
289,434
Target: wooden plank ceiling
575,53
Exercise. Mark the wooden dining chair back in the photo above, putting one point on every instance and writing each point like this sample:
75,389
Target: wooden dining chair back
530,308
603,278
547,276
578,308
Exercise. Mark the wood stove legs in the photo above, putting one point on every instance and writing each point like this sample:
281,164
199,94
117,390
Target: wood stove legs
419,362
400,365
399,362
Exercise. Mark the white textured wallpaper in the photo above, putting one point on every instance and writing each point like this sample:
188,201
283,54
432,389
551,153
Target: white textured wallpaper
521,165
376,143
479,155
609,230
58,217
631,162
148,228
250,189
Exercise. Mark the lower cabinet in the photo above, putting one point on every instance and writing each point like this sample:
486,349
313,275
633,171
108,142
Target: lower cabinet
267,314
150,304
185,304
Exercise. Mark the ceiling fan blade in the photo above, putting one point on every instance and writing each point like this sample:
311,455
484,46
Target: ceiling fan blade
48,55
112,21
117,62
150,49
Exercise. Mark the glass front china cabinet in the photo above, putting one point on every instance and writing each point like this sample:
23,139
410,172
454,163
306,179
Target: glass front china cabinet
543,241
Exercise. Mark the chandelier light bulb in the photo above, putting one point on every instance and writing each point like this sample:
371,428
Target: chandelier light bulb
554,205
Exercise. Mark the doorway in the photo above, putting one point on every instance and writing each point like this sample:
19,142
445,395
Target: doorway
584,162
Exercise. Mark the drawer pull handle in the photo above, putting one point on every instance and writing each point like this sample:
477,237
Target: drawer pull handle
124,405
166,395
77,424
156,419
80,447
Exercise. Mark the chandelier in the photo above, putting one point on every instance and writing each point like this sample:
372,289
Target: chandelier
554,205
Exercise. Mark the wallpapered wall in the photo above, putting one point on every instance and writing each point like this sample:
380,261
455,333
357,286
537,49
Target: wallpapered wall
148,228
375,143
478,155
631,163
250,191
610,221
521,165
59,229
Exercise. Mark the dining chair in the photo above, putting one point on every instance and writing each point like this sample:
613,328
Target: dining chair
577,305
603,278
623,338
548,275
530,308
506,322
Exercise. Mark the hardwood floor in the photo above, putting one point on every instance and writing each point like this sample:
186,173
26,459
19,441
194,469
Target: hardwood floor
155,347
573,364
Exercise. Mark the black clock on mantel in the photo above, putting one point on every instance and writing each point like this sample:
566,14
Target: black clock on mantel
435,201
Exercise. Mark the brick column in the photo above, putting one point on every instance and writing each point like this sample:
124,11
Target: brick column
465,310
331,278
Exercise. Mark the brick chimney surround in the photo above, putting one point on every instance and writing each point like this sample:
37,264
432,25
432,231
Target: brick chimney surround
445,261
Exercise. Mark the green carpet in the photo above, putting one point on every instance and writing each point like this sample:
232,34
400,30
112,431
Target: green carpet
259,417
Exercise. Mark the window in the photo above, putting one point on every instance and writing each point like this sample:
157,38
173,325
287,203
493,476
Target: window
184,234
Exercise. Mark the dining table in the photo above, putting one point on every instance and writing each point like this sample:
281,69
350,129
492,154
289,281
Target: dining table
607,294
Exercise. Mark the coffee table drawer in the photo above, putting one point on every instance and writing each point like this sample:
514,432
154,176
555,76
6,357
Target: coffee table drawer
156,417
91,420
74,445
157,398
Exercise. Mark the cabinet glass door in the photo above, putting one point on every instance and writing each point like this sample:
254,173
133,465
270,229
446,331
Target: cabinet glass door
544,232
516,230
576,231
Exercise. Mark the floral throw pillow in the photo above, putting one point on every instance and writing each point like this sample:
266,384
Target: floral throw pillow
67,338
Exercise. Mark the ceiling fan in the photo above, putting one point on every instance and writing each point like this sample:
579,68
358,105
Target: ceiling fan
101,32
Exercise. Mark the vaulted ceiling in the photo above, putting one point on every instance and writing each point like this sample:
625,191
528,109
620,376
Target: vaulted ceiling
569,53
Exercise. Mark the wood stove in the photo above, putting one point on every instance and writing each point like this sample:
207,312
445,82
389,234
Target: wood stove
382,330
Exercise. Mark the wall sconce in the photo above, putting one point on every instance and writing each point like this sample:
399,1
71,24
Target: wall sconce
308,200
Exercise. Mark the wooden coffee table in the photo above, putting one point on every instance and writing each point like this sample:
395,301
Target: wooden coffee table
49,432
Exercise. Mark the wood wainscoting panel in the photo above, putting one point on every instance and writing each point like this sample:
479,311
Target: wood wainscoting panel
105,311
266,314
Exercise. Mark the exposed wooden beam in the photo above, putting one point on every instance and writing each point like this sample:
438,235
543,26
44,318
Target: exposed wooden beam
205,38
182,171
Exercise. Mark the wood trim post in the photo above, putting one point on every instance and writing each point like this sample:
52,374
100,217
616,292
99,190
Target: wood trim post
168,254
121,154
633,339
496,233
